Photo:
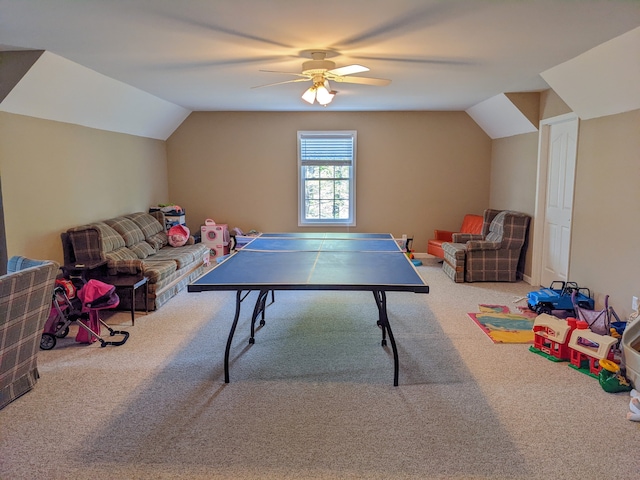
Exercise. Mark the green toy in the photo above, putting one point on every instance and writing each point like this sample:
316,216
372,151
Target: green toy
610,378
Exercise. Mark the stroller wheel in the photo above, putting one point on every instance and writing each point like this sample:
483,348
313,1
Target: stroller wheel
47,341
62,333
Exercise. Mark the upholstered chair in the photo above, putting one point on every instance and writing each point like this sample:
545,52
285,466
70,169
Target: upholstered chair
26,293
470,224
492,256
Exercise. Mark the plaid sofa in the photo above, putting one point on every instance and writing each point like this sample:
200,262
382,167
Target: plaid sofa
25,302
492,256
137,244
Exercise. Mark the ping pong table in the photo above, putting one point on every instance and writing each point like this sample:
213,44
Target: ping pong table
314,261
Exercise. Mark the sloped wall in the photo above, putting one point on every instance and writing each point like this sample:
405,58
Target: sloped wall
56,175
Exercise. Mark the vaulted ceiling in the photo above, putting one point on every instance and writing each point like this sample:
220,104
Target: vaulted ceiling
206,55
141,66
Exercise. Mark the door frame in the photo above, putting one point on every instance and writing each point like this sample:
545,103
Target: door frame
541,191
3,237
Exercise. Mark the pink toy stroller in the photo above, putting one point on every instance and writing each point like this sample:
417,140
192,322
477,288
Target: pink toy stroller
71,305
599,321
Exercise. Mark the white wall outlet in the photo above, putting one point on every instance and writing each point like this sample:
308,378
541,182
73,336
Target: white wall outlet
634,303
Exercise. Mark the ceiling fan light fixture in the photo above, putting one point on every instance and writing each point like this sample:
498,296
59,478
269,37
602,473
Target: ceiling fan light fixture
323,95
319,70
309,95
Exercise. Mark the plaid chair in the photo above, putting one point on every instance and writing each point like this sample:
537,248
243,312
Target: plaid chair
26,293
494,255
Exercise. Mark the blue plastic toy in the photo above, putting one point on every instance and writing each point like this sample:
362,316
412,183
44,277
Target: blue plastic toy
558,297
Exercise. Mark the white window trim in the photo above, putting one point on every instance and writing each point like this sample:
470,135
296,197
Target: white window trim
351,222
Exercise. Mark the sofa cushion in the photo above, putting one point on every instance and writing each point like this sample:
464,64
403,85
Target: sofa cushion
152,230
111,240
158,240
158,270
132,235
183,256
142,250
123,260
128,230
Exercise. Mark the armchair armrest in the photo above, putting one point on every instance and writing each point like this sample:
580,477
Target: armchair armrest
443,235
466,237
483,245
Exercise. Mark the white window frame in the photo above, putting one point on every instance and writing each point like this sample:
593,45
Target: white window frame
308,222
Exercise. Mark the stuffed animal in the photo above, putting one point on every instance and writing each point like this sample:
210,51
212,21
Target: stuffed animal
634,407
178,235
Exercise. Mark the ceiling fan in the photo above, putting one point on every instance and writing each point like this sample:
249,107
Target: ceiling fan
319,70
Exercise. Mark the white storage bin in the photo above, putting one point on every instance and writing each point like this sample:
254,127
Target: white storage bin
631,351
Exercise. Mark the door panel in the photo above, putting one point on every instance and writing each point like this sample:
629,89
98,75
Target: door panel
563,139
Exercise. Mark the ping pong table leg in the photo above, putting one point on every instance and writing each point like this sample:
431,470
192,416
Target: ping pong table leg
259,309
383,322
230,339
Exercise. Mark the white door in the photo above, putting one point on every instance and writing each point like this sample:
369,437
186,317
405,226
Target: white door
561,167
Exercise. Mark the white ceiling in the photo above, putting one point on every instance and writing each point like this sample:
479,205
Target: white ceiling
207,54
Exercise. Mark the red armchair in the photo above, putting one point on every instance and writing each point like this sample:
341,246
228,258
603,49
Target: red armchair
470,224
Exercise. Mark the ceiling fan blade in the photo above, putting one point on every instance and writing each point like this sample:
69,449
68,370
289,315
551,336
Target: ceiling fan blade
433,60
280,83
381,82
216,63
348,70
298,74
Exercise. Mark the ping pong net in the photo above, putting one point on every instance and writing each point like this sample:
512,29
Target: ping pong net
324,242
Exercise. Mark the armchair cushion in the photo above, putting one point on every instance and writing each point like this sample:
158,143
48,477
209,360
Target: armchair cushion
471,224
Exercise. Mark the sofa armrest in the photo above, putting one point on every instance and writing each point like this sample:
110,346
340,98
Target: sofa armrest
443,235
466,237
85,244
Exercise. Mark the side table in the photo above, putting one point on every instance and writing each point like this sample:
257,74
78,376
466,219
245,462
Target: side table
83,271
132,282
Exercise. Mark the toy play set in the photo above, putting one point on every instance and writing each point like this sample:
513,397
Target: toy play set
593,342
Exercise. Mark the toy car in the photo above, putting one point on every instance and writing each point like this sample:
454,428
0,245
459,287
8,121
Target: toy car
558,297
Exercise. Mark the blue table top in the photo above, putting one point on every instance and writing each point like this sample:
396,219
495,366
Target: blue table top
315,262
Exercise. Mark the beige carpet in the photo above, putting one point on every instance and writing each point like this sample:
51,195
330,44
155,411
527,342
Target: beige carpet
313,397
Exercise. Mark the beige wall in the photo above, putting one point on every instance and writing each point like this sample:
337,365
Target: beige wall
605,240
416,171
56,175
514,163
605,246
551,105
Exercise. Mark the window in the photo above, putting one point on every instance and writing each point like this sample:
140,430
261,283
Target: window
326,178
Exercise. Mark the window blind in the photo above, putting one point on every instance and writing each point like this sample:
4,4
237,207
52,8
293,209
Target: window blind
326,149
